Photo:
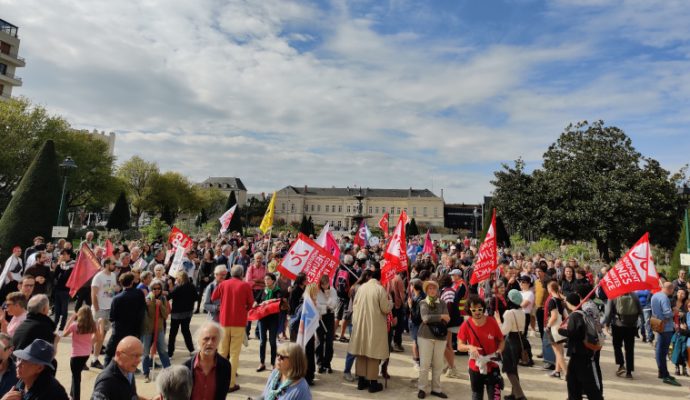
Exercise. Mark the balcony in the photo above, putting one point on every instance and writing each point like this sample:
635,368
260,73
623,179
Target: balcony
16,61
8,28
11,79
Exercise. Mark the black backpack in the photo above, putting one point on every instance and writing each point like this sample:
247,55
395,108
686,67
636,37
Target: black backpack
342,283
415,315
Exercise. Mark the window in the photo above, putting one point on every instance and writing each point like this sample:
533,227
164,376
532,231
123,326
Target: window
369,209
348,209
312,208
3,69
326,208
306,208
1,89
339,224
5,48
333,208
435,211
383,210
414,211
282,206
405,209
318,208
376,210
292,207
398,210
340,209
424,213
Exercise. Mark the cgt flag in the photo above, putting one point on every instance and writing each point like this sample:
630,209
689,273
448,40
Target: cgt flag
226,218
395,250
383,224
307,256
363,234
267,222
179,238
85,268
487,259
634,271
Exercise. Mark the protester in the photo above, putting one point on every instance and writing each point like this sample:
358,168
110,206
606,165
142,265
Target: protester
8,368
116,381
82,327
205,277
342,282
431,341
481,337
61,291
450,298
175,383
661,309
103,289
126,314
255,277
622,315
287,381
15,267
183,297
326,302
153,329
37,324
553,315
268,325
236,299
36,374
513,326
26,286
41,272
295,300
210,371
212,307
15,306
369,342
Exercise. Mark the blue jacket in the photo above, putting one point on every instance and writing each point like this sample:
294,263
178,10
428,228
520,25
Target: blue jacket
661,308
9,378
644,296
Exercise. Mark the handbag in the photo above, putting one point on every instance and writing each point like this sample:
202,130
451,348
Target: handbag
524,355
657,324
438,329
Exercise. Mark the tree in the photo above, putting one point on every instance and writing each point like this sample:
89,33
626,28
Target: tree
120,216
23,130
304,225
201,219
312,230
137,176
514,198
681,247
411,228
171,195
33,209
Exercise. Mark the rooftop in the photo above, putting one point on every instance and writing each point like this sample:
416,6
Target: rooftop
224,182
8,28
366,192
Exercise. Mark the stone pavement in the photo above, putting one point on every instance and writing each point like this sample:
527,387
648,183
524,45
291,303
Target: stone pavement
534,381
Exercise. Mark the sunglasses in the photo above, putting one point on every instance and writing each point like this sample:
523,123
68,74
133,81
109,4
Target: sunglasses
282,357
477,310
156,288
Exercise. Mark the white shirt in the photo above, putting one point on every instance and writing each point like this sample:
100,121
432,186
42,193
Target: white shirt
528,295
324,302
107,288
10,264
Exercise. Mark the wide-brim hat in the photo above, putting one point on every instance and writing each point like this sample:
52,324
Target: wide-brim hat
38,352
429,282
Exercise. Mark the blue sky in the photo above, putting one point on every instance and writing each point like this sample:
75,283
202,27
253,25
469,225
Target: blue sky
433,94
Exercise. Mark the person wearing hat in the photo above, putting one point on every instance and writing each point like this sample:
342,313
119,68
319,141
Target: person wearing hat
514,323
35,373
431,345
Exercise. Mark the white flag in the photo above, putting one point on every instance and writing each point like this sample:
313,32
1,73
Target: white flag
177,261
321,240
308,322
226,218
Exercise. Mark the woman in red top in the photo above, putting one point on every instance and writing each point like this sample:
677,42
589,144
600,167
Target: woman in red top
482,338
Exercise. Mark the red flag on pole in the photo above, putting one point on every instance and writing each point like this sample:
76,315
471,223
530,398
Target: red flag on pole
429,246
395,252
362,237
108,248
328,242
226,218
387,273
383,224
487,259
179,238
85,268
634,271
307,256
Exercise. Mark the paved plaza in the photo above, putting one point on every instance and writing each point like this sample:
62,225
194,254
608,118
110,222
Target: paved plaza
534,381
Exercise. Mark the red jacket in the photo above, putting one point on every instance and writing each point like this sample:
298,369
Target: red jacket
236,299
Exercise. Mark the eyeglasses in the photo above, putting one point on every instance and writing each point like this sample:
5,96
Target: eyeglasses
25,285
156,288
282,357
477,310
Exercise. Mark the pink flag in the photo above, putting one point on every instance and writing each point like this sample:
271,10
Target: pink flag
487,259
362,237
383,224
86,267
108,248
429,246
395,252
328,242
634,271
388,272
226,218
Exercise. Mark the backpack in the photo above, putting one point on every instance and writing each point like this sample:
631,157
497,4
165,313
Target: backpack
627,310
342,283
593,340
415,315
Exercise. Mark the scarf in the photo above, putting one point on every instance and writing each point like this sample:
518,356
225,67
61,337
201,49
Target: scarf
269,293
432,302
276,388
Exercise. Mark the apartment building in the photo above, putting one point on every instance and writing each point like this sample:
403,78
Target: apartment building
9,59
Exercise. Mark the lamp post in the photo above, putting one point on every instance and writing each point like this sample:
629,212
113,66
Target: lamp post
66,167
475,213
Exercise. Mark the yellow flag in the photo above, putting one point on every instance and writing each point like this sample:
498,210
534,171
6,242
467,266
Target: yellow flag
267,222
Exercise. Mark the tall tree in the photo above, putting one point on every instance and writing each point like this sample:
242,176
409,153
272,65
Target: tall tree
120,216
681,247
411,229
514,198
138,176
33,208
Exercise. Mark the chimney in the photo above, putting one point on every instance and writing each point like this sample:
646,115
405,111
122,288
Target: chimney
441,193
305,189
409,193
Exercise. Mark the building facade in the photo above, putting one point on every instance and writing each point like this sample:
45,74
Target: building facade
338,206
466,217
107,138
9,59
227,184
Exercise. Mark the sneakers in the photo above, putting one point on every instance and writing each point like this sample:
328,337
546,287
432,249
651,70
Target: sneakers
628,376
439,394
621,370
398,348
669,380
453,373
421,394
85,368
348,377
554,374
96,364
147,378
548,367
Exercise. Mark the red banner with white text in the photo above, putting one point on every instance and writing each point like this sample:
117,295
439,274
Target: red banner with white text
634,271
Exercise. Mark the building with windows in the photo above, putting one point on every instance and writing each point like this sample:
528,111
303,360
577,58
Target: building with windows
227,184
9,59
338,206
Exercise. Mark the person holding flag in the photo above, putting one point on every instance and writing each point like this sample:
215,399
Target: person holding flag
309,319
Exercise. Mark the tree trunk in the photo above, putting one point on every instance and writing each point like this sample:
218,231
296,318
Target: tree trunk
603,248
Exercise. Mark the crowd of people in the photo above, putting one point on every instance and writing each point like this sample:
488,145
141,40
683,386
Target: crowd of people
130,313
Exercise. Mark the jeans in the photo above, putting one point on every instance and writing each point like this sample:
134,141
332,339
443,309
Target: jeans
488,382
399,314
175,324
324,351
160,349
76,364
647,327
349,361
268,329
663,341
61,303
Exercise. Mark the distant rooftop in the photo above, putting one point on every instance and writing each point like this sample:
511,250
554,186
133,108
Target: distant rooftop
224,182
8,28
366,192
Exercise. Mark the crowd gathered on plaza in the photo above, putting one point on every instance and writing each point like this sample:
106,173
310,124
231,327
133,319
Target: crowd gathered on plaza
127,317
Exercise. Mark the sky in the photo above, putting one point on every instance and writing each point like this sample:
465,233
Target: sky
390,94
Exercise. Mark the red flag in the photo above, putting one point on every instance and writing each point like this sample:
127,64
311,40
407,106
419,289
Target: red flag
264,310
395,252
634,271
85,268
362,237
429,246
108,248
383,224
487,259
179,238
328,242
307,256
226,218
387,273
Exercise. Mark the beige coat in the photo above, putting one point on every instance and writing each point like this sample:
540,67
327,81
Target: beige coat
369,332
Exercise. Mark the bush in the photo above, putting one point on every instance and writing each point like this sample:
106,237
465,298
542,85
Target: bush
544,246
156,228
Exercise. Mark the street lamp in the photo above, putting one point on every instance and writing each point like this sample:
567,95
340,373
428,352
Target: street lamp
475,213
66,167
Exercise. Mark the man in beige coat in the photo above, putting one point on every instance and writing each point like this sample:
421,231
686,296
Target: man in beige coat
369,341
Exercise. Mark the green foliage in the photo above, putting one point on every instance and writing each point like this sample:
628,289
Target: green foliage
120,216
256,210
579,251
137,176
25,127
156,228
681,247
171,194
545,246
34,206
514,198
201,219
